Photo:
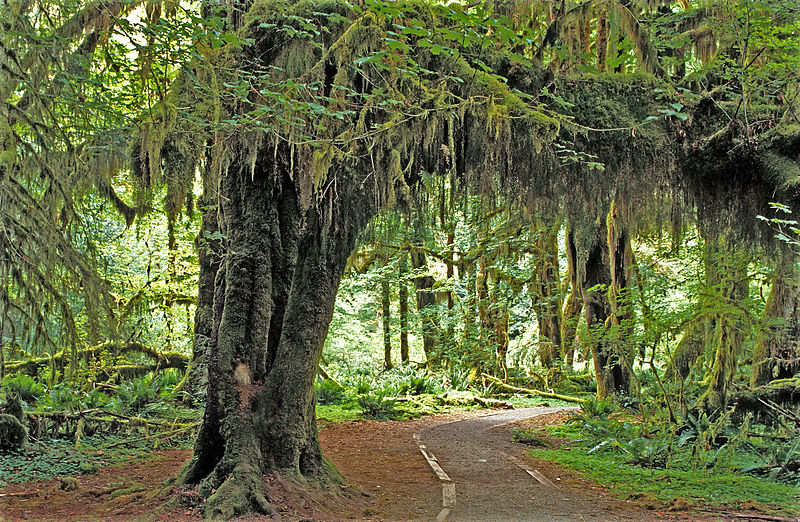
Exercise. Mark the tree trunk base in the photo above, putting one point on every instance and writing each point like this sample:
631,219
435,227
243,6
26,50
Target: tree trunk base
242,492
246,489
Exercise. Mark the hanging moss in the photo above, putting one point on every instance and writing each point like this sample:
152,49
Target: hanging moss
344,97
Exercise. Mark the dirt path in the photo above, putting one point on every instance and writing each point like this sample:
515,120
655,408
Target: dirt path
493,479
475,451
388,476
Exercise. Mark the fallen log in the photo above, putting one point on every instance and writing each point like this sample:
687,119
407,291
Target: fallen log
90,421
60,359
500,385
435,402
160,436
494,403
781,397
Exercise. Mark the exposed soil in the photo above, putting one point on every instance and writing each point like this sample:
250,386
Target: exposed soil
388,480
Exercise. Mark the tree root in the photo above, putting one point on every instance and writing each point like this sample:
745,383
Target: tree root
243,491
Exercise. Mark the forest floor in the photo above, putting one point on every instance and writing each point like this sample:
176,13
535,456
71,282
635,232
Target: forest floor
491,478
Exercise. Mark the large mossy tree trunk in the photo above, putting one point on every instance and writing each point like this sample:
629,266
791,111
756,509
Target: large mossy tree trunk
470,352
777,352
273,301
620,261
547,300
728,288
498,311
426,306
572,305
386,308
403,298
208,245
612,370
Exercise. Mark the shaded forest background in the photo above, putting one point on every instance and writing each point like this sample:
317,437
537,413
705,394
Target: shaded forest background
587,201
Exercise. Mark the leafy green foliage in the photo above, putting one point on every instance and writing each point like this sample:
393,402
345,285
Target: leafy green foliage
24,387
531,437
376,406
62,397
697,486
407,380
328,392
60,457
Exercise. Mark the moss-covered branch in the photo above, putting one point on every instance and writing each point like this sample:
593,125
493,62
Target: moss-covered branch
781,396
500,385
60,359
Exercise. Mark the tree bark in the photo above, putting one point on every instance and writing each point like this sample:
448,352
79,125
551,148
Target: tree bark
208,245
620,260
387,328
498,312
601,41
547,301
594,274
470,351
573,304
426,305
450,336
403,298
273,301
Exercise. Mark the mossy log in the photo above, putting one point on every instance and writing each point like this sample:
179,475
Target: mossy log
493,403
443,400
326,376
87,422
781,394
500,385
33,366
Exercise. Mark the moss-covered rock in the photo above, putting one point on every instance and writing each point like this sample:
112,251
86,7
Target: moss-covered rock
13,435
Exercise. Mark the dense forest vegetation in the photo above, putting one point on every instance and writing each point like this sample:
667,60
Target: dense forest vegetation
242,207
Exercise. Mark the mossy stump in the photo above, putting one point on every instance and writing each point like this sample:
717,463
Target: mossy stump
13,435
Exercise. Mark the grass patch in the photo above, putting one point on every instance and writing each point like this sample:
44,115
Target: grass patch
339,412
636,459
530,437
696,486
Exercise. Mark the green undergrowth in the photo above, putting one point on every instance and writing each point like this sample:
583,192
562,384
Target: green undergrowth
55,458
409,392
527,401
698,464
696,486
376,406
404,392
338,412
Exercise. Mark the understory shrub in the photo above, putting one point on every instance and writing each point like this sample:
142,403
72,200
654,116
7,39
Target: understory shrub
328,392
377,407
530,437
408,380
25,387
